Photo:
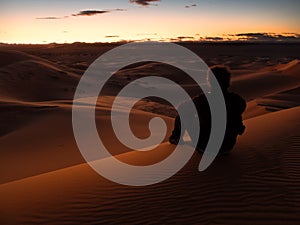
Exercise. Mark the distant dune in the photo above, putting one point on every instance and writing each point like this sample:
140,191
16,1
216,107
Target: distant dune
29,78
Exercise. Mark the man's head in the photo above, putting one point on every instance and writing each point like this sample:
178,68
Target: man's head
223,75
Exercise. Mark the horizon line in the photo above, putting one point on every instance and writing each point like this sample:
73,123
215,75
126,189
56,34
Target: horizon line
147,41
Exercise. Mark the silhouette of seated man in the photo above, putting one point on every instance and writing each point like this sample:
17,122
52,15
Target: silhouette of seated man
235,106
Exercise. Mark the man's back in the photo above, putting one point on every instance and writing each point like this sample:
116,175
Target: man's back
235,106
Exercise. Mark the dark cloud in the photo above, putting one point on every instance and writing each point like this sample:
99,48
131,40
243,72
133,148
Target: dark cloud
213,39
82,13
268,37
184,38
257,36
293,34
143,2
90,12
289,37
189,6
118,10
51,18
112,36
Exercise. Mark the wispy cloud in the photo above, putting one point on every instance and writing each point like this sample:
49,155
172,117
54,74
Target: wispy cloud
51,18
90,12
190,6
268,37
143,2
118,10
213,39
185,37
112,36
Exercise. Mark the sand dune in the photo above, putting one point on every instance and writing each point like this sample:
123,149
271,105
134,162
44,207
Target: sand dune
273,102
256,86
44,178
257,184
48,127
282,100
10,57
29,78
289,68
15,114
265,82
49,135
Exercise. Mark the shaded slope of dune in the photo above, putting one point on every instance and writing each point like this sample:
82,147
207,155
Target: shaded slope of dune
24,81
11,57
14,115
47,141
269,89
292,67
282,100
29,78
257,184
273,102
264,83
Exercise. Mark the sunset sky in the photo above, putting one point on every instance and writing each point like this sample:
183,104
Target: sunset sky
38,21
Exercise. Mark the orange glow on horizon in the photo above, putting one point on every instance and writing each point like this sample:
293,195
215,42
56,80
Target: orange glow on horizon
132,26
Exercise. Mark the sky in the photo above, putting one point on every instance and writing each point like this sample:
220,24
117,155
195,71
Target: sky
67,21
